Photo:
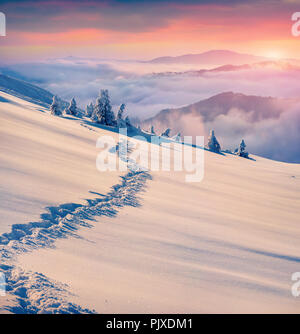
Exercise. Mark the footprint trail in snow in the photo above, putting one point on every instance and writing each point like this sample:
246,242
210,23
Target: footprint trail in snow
34,292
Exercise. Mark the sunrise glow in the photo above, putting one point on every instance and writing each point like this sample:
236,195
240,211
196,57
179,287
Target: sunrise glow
174,28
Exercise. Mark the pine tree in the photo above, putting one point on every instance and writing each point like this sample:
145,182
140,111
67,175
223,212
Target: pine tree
54,108
177,137
128,122
108,112
242,150
96,117
121,111
213,143
72,109
166,133
89,110
103,111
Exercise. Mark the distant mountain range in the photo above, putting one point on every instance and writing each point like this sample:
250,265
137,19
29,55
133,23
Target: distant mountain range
214,57
258,108
273,65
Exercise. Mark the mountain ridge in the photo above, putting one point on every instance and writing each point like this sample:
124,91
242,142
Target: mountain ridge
237,100
221,57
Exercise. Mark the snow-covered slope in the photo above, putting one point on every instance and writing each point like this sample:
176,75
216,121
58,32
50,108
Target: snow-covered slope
149,242
25,90
45,160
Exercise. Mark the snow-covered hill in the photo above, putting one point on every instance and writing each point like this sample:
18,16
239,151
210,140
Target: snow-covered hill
25,90
74,239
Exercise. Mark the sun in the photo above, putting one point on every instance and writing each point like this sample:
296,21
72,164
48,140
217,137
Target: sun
274,55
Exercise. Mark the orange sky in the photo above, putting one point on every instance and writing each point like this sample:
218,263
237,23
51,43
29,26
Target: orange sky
146,29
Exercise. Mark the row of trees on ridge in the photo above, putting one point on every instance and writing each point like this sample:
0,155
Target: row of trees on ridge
101,112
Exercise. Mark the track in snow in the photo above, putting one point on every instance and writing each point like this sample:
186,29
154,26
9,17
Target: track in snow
34,292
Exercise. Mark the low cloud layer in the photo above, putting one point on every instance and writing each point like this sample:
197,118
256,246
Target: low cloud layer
276,138
146,94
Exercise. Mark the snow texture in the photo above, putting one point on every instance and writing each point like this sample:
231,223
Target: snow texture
35,293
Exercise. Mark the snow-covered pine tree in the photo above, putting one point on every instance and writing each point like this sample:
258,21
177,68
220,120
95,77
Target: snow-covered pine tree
89,110
110,118
72,109
242,150
96,116
213,143
177,137
121,111
166,133
54,108
128,122
120,120
103,110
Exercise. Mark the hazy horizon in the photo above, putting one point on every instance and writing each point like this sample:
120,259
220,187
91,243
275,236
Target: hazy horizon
119,29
